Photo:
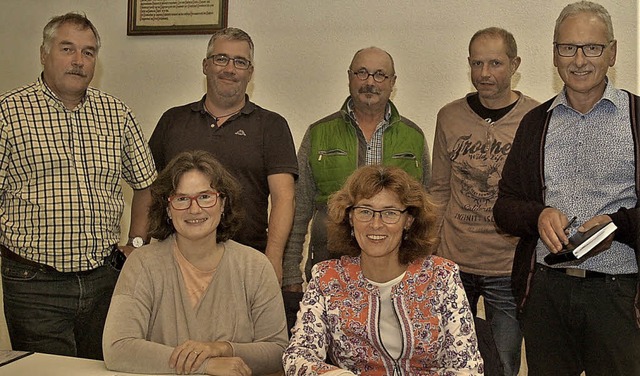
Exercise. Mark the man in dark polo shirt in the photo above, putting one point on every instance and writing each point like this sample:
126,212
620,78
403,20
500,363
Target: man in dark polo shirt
254,144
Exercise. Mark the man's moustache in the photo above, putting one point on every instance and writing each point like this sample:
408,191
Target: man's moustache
77,72
368,89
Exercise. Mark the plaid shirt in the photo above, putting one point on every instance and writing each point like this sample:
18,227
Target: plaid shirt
61,197
374,146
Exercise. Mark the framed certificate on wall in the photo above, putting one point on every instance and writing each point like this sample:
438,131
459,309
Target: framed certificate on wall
158,17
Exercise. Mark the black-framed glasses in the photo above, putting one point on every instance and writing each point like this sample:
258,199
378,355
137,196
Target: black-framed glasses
204,200
223,60
589,50
366,214
363,74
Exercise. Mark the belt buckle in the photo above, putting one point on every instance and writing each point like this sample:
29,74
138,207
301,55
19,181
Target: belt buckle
580,273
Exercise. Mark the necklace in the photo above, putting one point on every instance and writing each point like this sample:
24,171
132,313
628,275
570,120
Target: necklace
216,118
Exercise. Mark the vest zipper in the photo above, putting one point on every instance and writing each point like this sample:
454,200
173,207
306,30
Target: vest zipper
331,152
410,156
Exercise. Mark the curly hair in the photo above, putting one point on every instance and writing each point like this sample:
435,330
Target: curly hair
365,183
161,226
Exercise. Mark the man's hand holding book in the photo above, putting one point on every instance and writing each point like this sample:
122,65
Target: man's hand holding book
592,237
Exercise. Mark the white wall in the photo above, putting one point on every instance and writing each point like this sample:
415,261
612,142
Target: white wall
303,48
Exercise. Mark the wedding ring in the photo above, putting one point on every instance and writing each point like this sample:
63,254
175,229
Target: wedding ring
196,352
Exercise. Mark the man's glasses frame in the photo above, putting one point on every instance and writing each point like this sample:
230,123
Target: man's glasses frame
363,75
204,200
388,216
222,60
588,50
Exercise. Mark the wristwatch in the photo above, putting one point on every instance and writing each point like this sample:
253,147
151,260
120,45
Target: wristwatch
136,242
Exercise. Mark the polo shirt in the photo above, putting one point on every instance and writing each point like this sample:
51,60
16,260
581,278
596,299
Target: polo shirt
251,145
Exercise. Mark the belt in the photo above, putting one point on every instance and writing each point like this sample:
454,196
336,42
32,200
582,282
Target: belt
10,255
115,259
582,273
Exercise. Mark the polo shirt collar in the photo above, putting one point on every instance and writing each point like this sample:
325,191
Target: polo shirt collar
248,108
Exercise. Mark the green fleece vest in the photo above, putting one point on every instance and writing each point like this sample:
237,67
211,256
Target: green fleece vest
334,152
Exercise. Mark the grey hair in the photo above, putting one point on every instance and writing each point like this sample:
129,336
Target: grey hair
585,7
51,28
230,33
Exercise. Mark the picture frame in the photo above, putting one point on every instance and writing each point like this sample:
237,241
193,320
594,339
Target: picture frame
171,17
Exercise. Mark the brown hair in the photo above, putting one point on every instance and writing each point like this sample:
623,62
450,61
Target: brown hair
365,183
511,48
160,225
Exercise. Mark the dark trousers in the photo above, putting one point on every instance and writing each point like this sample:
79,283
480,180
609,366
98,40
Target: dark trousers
57,313
291,308
500,310
574,324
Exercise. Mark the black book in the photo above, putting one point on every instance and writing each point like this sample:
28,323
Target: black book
581,244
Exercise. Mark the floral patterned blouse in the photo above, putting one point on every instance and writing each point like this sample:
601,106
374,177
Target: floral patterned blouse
339,317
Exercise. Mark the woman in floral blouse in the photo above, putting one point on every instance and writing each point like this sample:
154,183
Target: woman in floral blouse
386,307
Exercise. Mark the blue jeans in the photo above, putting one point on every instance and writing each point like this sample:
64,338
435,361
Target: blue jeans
57,313
500,311
574,324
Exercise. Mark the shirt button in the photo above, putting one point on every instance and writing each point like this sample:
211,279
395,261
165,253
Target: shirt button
212,125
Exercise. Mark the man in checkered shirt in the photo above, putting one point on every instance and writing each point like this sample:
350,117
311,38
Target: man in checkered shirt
64,147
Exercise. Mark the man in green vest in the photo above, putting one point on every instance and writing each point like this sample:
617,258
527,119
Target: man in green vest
367,130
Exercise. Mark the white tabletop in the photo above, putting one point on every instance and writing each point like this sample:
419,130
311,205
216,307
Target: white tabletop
56,365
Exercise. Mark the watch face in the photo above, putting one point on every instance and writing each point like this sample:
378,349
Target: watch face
137,242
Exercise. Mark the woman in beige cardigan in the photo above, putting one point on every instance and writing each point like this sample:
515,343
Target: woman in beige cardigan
195,302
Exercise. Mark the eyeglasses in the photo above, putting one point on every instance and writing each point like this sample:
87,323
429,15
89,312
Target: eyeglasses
204,200
589,50
223,60
388,216
363,74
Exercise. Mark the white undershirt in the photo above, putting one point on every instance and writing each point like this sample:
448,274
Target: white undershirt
390,332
